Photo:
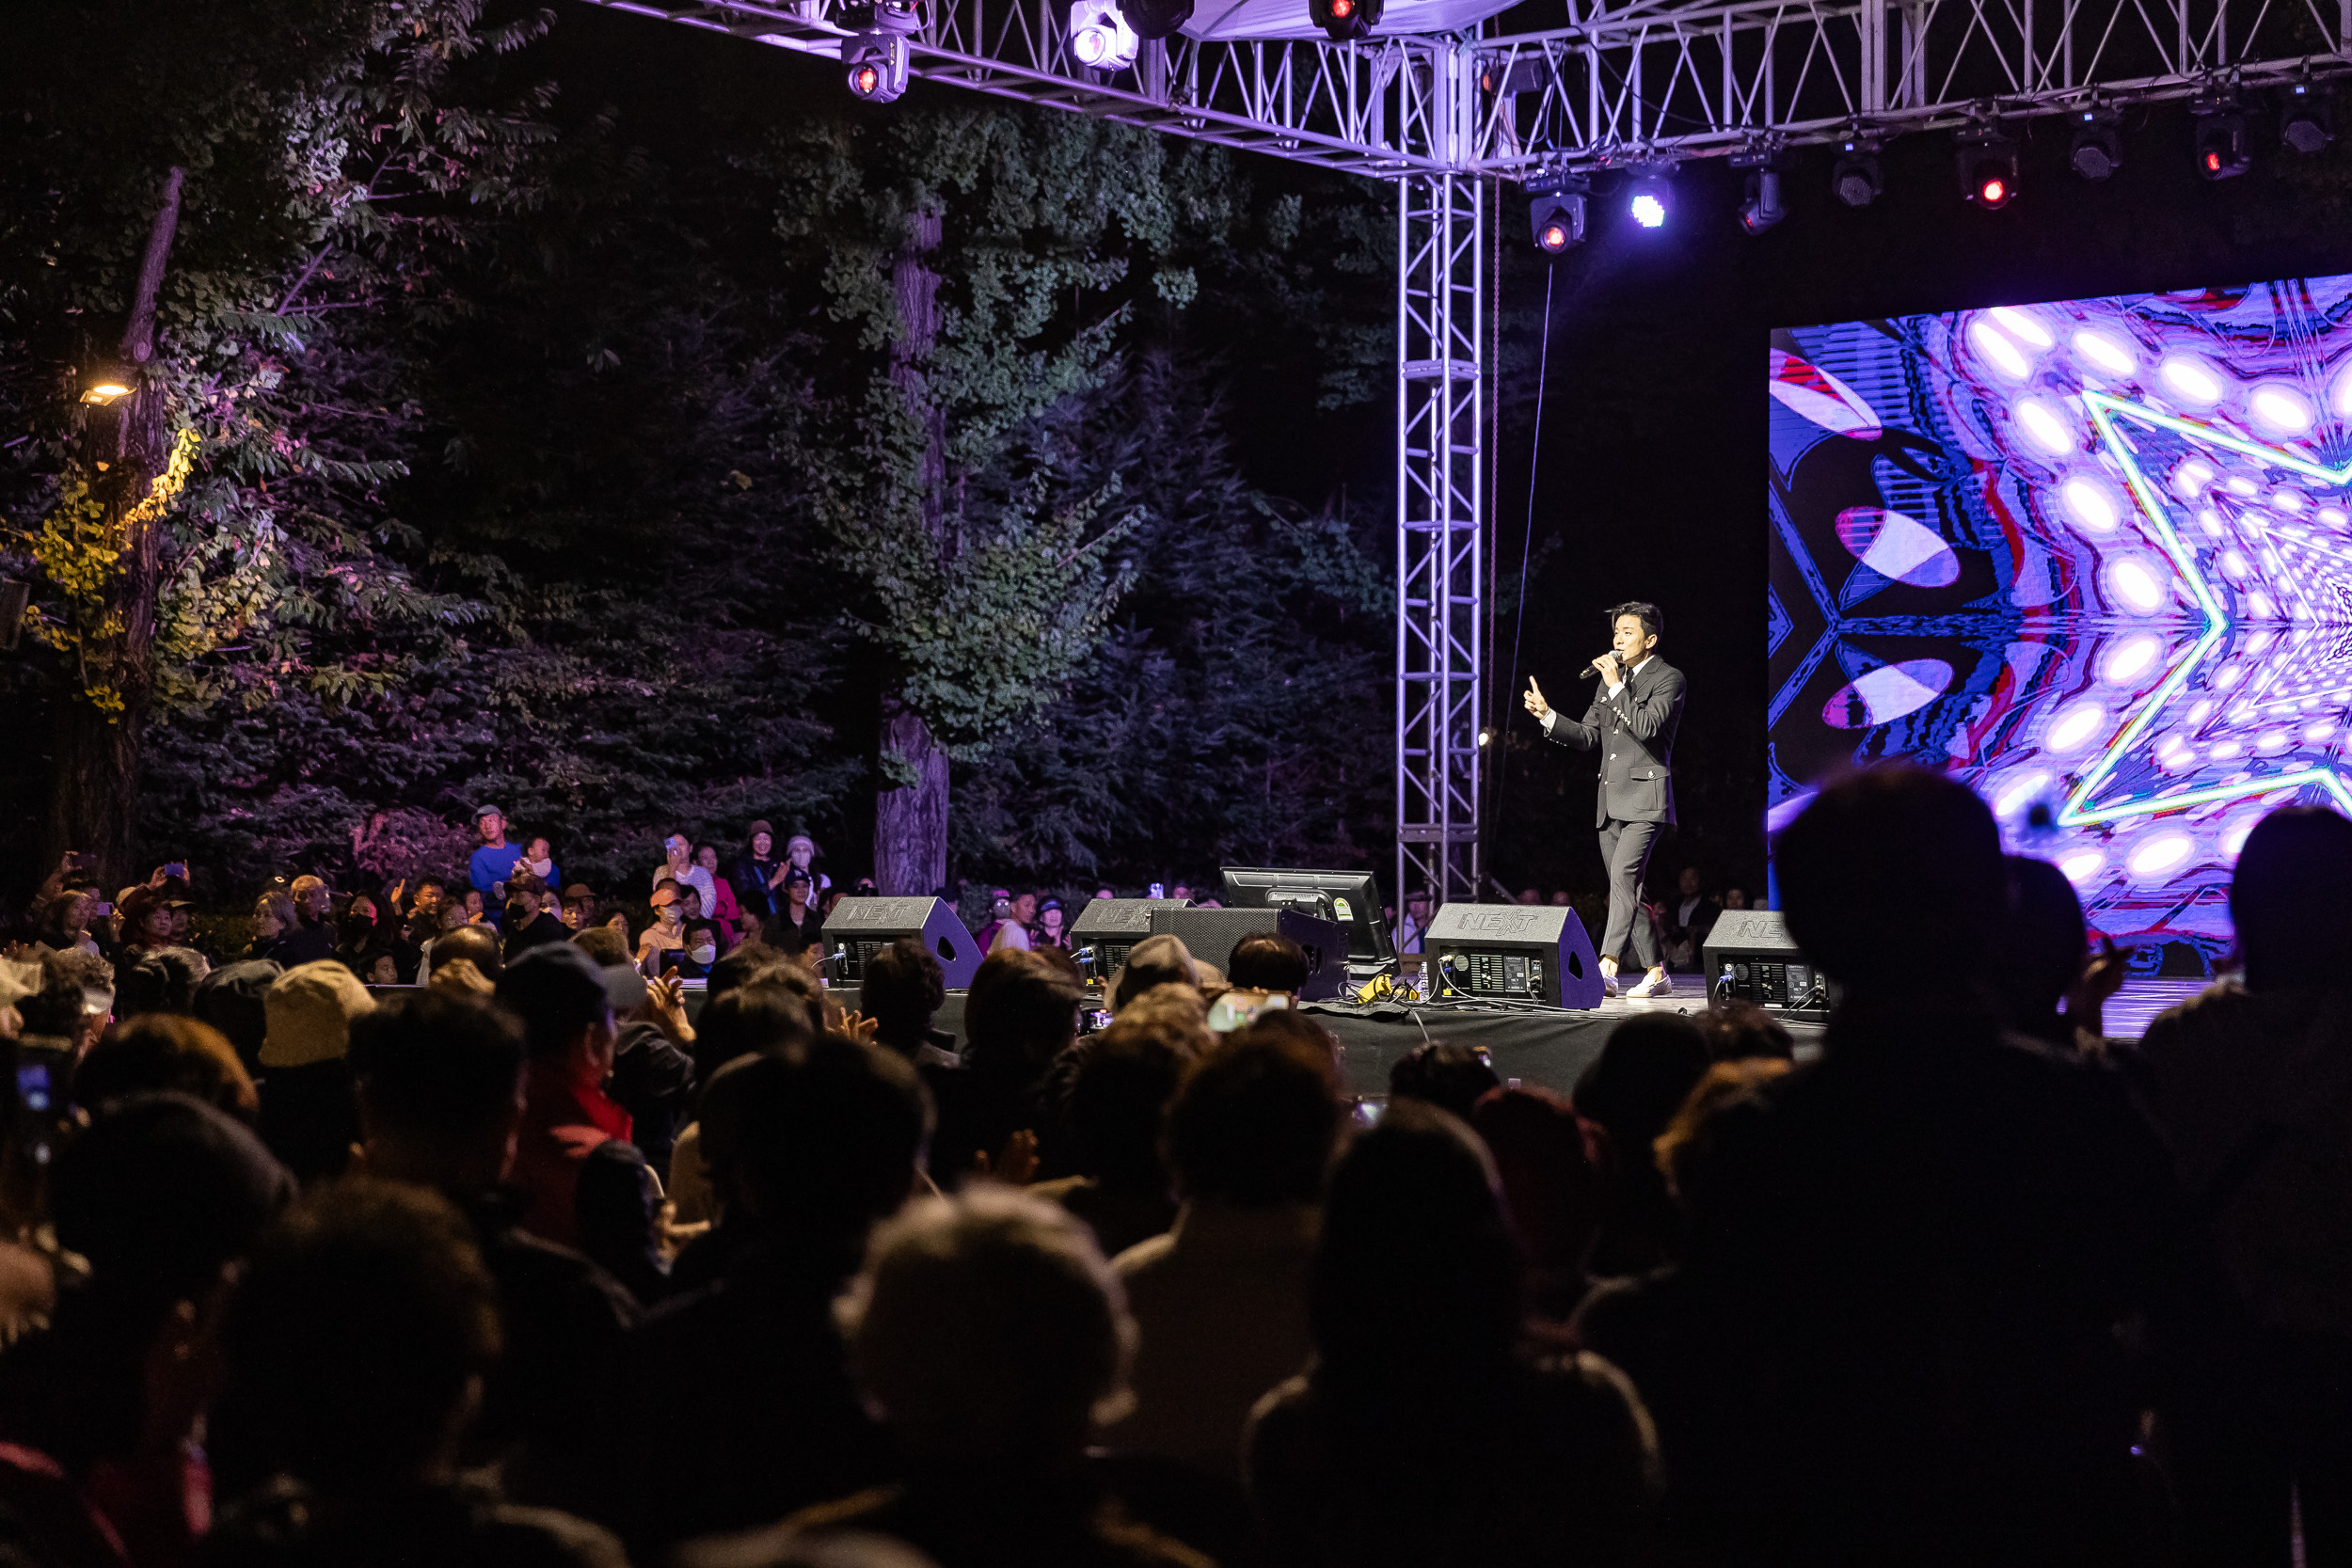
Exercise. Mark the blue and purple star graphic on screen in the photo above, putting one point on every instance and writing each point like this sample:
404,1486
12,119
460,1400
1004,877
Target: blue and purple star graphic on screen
2094,558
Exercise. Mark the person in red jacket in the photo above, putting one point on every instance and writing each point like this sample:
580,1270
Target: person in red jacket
583,1181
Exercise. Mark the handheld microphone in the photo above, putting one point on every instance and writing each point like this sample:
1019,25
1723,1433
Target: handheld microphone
1590,674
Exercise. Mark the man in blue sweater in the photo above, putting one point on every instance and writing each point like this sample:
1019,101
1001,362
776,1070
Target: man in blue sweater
494,863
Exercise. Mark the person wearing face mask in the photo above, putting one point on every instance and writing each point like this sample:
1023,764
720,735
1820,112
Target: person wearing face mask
801,850
665,935
702,951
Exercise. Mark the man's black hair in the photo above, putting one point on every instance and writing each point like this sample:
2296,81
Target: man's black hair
1267,961
825,1132
1253,1122
1448,1075
1653,624
363,1314
902,990
436,1060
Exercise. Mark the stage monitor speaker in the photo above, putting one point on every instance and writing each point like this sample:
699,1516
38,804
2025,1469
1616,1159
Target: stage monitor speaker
1749,957
1111,927
860,927
1510,952
1213,934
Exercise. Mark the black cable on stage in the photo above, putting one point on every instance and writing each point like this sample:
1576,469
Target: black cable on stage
1527,549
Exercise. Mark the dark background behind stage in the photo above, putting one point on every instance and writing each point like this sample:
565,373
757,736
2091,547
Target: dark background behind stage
1652,472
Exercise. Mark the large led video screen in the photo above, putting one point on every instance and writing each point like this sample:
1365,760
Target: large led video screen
2091,557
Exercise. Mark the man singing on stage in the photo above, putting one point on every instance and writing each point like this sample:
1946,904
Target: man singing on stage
1632,722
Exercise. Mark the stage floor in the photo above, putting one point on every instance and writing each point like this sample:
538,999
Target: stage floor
1551,1048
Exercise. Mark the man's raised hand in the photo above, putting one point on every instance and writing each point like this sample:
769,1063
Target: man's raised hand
1533,697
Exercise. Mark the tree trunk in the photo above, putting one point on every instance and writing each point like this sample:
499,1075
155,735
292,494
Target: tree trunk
93,793
911,820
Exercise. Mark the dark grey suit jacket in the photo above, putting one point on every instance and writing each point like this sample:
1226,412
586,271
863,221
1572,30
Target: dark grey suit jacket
1634,733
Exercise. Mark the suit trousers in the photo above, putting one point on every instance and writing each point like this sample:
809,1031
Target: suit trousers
1625,846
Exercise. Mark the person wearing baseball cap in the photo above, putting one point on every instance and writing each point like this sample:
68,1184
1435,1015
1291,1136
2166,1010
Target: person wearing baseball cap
493,862
583,1180
667,934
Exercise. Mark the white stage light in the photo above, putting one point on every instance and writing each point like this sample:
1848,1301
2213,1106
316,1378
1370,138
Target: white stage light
1100,37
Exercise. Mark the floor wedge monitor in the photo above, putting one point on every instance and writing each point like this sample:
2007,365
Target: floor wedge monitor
1511,953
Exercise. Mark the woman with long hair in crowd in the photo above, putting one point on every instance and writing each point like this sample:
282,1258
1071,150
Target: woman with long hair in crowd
1434,1429
273,917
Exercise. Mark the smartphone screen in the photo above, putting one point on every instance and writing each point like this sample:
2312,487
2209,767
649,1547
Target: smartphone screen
101,911
176,868
32,1087
1368,1111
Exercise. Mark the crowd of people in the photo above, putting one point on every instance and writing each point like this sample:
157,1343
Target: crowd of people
697,904
523,1265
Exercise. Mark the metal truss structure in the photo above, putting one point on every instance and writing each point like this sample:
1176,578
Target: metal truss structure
1619,83
1441,477
1620,80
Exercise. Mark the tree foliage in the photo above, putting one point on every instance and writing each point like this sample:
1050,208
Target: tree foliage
542,457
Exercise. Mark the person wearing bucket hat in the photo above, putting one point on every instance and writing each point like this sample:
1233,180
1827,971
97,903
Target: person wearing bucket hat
309,1117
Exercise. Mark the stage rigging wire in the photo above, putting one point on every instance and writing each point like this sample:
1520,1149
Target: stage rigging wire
1527,550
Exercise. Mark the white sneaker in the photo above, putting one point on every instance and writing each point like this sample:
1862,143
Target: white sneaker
1651,985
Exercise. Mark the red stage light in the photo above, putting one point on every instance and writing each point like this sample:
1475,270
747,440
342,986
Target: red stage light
1343,10
1993,192
1553,238
868,78
2213,162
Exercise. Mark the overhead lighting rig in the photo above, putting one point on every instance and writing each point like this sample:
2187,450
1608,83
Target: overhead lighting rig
875,54
1099,35
2222,149
2304,123
1856,178
1649,197
2097,150
1345,21
1760,206
1556,212
1988,165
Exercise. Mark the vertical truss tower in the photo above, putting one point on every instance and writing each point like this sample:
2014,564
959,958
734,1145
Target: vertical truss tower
1440,515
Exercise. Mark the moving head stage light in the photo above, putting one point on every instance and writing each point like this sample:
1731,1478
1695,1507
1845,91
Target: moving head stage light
875,53
1555,212
1988,168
